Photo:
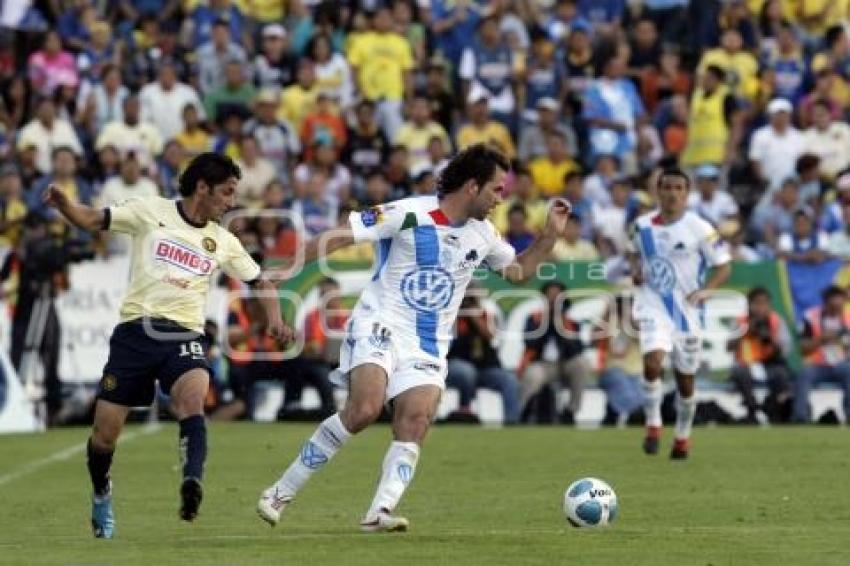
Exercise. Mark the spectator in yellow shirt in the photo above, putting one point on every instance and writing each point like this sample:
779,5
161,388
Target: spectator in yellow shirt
741,67
481,129
382,62
194,139
263,11
522,192
299,99
416,134
548,172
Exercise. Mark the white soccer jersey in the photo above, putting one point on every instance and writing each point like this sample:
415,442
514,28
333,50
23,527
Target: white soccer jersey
674,261
423,267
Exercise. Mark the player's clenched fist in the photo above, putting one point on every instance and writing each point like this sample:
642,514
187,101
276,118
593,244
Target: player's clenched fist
53,196
559,213
280,331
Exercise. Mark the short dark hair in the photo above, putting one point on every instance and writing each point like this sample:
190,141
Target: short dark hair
62,149
757,292
477,162
675,171
717,71
552,284
211,168
570,175
518,207
832,291
833,34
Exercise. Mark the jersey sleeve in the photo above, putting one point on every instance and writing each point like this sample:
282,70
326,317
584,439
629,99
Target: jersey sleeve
713,248
126,217
501,253
377,222
238,263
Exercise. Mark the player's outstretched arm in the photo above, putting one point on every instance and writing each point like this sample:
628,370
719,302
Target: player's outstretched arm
526,263
320,246
80,215
327,243
267,293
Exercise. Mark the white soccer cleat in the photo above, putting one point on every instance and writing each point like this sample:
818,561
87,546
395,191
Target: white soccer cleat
384,522
271,505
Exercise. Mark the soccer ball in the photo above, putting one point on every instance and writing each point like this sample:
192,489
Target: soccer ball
590,502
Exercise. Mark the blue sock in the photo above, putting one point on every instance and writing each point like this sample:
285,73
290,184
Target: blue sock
193,446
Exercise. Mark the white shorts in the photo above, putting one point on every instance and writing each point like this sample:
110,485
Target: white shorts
367,341
657,332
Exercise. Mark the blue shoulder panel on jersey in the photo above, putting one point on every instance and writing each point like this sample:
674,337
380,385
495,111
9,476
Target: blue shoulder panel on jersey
647,242
427,246
383,253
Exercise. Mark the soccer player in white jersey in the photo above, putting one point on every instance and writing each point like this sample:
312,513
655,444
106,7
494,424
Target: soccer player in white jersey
672,250
176,248
398,334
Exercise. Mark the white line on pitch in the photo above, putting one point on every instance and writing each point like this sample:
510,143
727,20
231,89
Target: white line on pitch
70,452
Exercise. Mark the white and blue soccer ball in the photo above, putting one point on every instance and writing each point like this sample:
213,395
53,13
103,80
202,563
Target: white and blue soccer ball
590,502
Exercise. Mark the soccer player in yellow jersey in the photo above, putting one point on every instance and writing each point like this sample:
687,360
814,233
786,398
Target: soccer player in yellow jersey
177,246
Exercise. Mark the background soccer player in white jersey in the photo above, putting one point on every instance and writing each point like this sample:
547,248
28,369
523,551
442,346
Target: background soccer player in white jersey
399,332
672,251
176,248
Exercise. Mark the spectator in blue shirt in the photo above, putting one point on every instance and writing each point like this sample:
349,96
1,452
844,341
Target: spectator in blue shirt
453,24
218,10
613,109
518,234
602,12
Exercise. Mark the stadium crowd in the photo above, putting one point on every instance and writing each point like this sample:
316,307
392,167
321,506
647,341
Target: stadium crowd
332,106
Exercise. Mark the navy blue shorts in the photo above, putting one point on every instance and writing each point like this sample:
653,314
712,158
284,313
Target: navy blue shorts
142,353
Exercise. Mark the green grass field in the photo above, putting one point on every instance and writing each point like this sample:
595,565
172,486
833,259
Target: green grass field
481,496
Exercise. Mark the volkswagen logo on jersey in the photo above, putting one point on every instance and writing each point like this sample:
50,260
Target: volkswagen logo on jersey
427,288
662,276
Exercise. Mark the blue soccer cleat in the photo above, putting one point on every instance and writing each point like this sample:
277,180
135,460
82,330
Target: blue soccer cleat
102,517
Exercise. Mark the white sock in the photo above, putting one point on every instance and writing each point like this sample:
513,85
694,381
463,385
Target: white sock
315,453
685,410
398,468
653,392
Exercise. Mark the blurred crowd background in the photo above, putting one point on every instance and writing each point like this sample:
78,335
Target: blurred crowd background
332,106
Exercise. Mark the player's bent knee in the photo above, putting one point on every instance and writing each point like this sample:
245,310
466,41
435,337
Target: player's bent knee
104,436
356,417
412,427
188,405
653,367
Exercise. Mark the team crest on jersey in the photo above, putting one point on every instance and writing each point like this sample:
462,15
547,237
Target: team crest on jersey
380,337
109,382
427,289
662,275
183,257
209,245
371,216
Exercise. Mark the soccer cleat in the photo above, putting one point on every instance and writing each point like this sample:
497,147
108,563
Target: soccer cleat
680,449
191,494
384,522
271,505
650,443
102,517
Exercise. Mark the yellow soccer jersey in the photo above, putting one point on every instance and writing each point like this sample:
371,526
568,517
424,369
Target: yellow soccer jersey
173,260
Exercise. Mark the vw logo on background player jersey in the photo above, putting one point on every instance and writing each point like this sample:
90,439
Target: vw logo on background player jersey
427,288
662,275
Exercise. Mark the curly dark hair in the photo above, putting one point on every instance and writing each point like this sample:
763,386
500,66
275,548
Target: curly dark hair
211,168
477,162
